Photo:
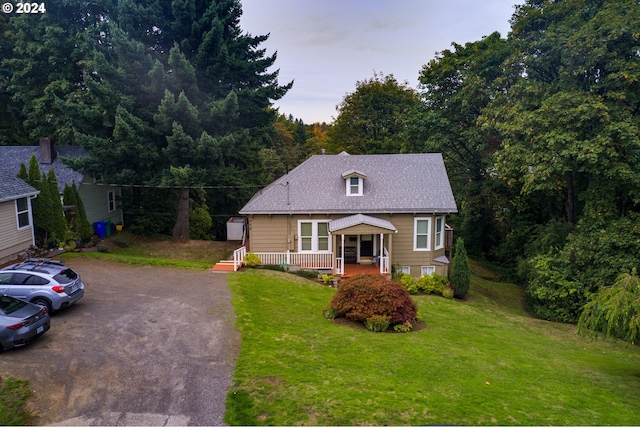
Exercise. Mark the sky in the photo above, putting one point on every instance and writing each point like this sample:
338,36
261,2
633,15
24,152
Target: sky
327,46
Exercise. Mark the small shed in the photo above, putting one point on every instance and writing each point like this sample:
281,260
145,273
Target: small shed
236,228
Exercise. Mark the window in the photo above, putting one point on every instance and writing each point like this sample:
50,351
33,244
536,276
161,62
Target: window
427,270
5,278
23,213
439,235
404,269
313,236
421,236
111,197
354,186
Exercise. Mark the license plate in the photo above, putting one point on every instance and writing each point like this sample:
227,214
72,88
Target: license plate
40,329
73,288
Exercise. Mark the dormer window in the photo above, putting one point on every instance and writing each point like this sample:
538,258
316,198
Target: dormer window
355,186
354,182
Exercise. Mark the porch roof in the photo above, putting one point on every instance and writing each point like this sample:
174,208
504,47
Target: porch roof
359,219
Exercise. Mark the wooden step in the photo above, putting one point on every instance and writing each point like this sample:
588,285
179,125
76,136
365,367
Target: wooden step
224,265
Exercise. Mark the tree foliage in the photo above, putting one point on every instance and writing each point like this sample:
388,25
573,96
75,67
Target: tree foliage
614,310
371,118
160,94
460,277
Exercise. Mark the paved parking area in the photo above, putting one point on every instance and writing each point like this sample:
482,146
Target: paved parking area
145,346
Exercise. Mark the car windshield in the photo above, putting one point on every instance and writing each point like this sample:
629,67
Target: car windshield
66,276
8,305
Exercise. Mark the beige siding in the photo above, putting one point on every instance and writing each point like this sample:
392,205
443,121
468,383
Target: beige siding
12,240
279,233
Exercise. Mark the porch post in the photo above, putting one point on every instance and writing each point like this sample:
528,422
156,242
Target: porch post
342,253
381,252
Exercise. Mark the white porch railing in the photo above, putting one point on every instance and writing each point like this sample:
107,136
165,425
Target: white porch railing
339,266
238,257
303,260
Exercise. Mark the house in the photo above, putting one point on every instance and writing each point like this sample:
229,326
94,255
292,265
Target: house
16,220
337,211
100,201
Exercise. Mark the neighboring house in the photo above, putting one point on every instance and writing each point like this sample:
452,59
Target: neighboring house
16,220
100,201
340,210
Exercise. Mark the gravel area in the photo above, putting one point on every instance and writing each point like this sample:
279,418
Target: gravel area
145,346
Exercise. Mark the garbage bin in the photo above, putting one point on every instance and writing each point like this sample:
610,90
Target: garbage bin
100,228
108,228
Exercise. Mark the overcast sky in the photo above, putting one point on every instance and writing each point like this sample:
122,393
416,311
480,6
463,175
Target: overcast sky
326,46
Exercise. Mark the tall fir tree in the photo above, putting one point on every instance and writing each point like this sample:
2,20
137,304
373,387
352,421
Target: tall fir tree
460,277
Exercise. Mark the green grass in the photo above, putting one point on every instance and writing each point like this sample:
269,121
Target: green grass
482,362
135,257
13,396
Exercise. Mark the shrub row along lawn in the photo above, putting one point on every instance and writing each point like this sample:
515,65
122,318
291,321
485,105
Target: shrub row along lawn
481,362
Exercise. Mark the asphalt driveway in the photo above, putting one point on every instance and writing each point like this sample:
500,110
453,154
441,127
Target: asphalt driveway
145,346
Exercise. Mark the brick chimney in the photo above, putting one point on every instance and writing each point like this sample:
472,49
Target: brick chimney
47,153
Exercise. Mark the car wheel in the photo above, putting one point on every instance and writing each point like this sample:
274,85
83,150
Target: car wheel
43,302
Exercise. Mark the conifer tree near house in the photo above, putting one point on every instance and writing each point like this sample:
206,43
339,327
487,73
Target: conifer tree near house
460,271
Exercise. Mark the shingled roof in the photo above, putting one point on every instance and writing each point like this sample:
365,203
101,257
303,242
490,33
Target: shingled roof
12,156
13,187
416,183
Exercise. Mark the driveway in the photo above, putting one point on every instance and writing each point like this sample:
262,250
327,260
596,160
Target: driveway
144,346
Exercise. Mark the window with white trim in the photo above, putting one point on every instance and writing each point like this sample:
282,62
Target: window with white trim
313,236
427,270
439,233
422,234
23,213
354,186
404,269
111,198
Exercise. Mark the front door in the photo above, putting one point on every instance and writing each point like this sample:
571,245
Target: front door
366,245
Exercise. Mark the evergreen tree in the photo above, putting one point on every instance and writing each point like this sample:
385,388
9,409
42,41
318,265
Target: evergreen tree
56,213
82,220
460,277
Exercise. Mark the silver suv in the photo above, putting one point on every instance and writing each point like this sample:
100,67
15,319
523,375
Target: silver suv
42,281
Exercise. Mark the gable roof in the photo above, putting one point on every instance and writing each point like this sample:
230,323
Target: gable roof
12,156
416,183
13,187
359,219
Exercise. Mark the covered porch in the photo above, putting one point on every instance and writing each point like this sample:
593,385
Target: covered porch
361,241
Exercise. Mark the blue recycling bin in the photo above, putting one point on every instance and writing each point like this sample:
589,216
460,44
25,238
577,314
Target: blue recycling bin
100,229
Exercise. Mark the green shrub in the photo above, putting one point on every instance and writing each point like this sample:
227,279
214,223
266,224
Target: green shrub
377,323
102,248
440,282
329,313
200,223
121,241
426,283
460,271
448,292
307,274
405,326
361,297
409,283
326,278
251,259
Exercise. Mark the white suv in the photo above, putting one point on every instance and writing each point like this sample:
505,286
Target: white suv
42,281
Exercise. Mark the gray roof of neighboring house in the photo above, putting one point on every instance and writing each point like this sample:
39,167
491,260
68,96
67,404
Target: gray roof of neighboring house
416,183
13,187
12,156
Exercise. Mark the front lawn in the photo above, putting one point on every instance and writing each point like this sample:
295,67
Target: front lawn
480,362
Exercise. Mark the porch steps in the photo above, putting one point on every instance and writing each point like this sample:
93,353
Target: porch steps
223,265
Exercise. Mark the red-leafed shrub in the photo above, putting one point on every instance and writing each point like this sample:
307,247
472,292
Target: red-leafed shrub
361,297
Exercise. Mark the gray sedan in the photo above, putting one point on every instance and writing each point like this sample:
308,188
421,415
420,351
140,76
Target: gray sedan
21,322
